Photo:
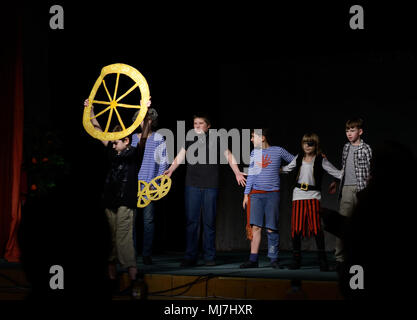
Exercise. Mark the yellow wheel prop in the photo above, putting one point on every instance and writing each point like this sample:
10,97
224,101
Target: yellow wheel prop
154,190
143,198
115,102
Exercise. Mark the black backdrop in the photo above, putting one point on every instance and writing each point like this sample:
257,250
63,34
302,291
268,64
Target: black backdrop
241,65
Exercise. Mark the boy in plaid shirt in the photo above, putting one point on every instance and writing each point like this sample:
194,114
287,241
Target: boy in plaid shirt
356,162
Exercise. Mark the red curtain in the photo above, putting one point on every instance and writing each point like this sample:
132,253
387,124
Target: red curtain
11,133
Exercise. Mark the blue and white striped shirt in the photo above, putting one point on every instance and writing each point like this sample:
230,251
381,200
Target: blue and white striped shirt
264,168
155,160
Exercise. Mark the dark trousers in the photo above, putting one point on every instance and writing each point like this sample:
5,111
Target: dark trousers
296,243
197,200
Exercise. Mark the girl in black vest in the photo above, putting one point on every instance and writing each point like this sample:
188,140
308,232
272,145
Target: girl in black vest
310,165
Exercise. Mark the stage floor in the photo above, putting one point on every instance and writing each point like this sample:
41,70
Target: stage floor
165,279
228,266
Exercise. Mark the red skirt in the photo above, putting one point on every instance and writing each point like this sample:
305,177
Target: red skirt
305,217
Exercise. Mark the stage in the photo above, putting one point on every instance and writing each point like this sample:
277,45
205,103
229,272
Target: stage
166,280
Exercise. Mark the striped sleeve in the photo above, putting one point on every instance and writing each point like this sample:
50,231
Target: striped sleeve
288,157
251,176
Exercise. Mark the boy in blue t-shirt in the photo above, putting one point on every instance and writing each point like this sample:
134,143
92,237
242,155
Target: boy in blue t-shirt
262,196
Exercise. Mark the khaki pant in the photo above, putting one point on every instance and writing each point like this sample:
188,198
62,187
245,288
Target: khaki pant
121,226
347,204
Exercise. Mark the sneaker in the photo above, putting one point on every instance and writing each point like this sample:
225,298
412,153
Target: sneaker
188,263
147,260
275,265
249,264
324,267
138,289
296,264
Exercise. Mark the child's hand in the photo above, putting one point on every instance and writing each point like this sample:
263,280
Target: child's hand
168,173
86,102
240,178
245,201
148,104
333,187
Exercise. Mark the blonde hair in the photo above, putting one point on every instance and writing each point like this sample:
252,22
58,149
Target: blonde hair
314,138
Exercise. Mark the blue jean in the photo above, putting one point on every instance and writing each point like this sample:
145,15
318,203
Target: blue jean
148,229
195,200
265,206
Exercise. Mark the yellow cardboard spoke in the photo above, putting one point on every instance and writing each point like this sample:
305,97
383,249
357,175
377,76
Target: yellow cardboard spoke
128,106
101,102
100,113
117,84
107,91
127,92
109,120
120,119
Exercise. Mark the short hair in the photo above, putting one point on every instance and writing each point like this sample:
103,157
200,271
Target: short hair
311,137
354,123
266,132
118,128
203,116
150,114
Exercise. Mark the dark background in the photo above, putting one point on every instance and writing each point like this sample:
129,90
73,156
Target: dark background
293,69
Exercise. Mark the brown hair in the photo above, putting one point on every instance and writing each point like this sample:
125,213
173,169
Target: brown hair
118,128
354,123
266,132
203,116
314,138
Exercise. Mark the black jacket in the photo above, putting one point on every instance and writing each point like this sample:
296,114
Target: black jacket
121,185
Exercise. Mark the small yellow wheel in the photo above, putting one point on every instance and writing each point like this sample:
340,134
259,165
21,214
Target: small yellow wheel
114,102
143,198
159,187
154,190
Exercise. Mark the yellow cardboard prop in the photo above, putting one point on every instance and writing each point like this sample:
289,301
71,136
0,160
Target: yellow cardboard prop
114,102
143,198
154,190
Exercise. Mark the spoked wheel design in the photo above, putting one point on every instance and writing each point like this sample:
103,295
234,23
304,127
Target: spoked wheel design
115,102
154,190
143,198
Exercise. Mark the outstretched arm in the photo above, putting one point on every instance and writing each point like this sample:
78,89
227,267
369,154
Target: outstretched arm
94,120
289,167
240,176
177,161
330,169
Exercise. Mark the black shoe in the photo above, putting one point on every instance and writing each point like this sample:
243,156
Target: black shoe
188,263
276,265
249,264
324,267
210,263
147,260
338,266
114,286
138,289
296,264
